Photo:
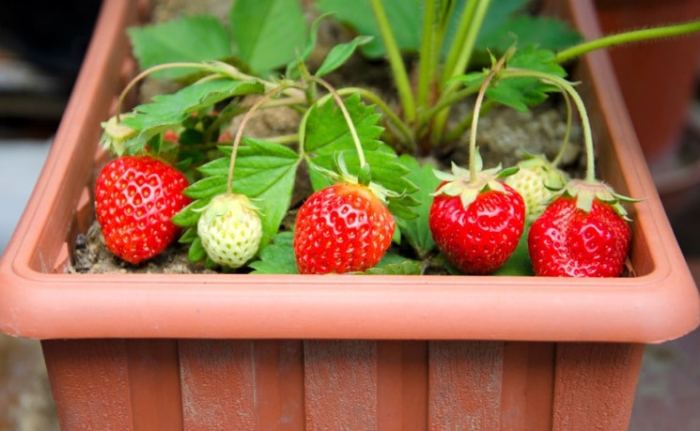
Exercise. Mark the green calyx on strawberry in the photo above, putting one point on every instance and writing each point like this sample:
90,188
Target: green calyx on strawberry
116,134
585,192
230,230
476,222
135,200
537,181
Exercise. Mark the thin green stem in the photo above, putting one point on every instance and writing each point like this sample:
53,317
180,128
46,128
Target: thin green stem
461,63
239,133
567,134
445,101
460,38
473,174
427,48
627,37
565,86
398,68
372,97
467,49
284,139
154,69
348,119
466,122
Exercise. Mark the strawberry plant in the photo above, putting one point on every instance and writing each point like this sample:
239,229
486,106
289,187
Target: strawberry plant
360,186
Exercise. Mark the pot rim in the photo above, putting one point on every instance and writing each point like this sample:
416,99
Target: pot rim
659,305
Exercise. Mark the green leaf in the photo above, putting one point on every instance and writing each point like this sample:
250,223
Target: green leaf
521,93
519,262
416,231
193,38
547,33
327,132
292,71
340,54
170,110
394,264
327,138
189,215
264,171
188,236
277,257
405,17
196,251
268,33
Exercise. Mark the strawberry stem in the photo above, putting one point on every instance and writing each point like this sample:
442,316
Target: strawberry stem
565,86
346,115
239,133
154,69
473,174
567,133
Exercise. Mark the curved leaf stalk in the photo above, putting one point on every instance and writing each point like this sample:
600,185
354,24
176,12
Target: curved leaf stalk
346,115
565,86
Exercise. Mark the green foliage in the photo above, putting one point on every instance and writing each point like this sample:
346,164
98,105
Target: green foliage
264,172
340,54
327,137
193,38
505,23
277,257
395,264
168,111
268,33
416,230
404,16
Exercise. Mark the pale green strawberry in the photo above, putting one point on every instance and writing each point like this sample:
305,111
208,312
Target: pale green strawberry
536,181
230,230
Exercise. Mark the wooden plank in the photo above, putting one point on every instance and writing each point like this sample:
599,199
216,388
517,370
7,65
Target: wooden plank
595,385
90,384
402,385
154,378
279,373
528,386
218,383
242,385
341,385
465,385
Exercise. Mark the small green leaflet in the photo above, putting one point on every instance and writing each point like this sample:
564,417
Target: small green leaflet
265,172
416,231
268,33
340,54
548,33
292,71
325,130
277,257
394,264
170,110
193,38
404,16
522,93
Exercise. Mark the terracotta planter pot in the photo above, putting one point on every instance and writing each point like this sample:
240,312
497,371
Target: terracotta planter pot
656,78
146,352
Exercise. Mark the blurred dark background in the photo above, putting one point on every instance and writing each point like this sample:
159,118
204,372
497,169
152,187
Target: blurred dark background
41,48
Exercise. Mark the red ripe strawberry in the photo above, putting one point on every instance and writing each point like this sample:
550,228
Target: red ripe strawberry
135,198
342,228
569,241
477,236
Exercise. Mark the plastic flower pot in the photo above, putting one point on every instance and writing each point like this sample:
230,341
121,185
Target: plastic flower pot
207,351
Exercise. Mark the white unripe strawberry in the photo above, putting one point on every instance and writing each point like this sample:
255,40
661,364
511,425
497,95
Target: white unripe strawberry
535,181
230,230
